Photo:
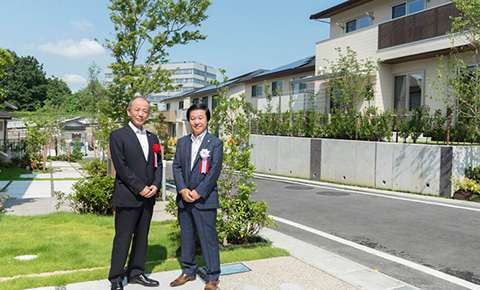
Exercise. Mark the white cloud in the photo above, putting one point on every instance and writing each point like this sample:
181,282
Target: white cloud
74,79
71,48
81,25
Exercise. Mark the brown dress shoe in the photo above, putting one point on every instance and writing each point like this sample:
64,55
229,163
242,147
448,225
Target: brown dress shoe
211,285
182,279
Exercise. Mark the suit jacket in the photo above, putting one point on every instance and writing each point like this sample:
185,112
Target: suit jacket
204,184
133,172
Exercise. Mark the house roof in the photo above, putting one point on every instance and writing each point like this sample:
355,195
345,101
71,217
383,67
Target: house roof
5,115
347,5
302,65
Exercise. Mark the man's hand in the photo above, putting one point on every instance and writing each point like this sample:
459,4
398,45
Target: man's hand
187,195
149,191
195,194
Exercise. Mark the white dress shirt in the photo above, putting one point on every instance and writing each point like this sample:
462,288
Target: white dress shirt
196,142
142,138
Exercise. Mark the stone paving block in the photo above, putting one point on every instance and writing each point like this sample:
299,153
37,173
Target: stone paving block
29,189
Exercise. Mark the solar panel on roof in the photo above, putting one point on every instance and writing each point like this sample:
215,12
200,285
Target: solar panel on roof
289,66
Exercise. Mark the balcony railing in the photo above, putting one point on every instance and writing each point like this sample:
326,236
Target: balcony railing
170,116
419,26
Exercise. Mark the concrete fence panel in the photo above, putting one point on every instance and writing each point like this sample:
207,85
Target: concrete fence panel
398,166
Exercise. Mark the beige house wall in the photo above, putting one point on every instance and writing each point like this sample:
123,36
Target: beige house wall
380,9
283,100
365,43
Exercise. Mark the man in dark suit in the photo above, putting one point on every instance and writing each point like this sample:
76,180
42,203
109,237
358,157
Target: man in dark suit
135,155
196,168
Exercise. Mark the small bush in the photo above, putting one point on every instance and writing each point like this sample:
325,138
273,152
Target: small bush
90,196
96,167
61,157
468,185
473,173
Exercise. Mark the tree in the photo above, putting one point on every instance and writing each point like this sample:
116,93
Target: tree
57,93
458,77
240,218
25,85
144,30
350,80
6,60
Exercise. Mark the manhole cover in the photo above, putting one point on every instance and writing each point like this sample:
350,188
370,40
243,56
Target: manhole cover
333,193
298,187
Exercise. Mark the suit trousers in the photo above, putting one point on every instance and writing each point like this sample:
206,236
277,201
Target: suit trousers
130,222
195,221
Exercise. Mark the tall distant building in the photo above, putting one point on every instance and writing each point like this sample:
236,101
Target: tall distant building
190,74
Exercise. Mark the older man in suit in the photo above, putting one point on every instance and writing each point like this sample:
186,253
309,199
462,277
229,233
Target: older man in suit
136,157
196,167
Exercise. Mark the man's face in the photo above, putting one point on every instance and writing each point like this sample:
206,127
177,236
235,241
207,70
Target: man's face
198,122
138,113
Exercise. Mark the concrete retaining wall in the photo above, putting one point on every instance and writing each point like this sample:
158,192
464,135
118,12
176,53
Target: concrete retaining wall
398,166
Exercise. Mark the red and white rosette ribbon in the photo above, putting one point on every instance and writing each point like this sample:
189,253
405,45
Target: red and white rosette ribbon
204,154
156,149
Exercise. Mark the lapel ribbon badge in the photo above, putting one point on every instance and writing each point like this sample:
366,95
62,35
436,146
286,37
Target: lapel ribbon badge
204,154
156,150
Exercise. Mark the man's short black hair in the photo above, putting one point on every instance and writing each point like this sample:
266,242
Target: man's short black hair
199,106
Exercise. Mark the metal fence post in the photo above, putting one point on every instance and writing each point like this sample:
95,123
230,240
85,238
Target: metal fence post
164,180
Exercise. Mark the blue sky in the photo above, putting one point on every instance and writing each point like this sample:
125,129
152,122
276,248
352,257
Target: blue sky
243,35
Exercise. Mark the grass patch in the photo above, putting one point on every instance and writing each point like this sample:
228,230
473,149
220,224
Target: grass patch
67,241
12,172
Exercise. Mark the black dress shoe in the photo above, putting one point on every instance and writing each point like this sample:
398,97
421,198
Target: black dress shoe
143,280
117,286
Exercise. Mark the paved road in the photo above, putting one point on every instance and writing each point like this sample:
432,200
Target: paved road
433,233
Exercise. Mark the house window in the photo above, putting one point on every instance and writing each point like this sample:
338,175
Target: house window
408,91
399,10
257,90
364,22
299,88
180,105
358,23
196,100
168,106
351,26
408,7
205,101
415,6
277,88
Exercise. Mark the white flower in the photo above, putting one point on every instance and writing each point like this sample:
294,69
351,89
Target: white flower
204,154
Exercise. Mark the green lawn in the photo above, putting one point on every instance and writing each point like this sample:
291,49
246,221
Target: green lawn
12,173
66,241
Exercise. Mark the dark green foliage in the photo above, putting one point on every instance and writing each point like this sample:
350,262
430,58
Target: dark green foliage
403,125
90,196
76,154
96,167
418,122
473,173
25,85
436,131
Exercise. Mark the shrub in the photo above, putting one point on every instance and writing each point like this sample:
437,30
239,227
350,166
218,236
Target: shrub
468,185
90,196
96,167
473,173
403,126
76,154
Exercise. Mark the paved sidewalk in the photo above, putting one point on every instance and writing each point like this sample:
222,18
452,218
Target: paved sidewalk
308,267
